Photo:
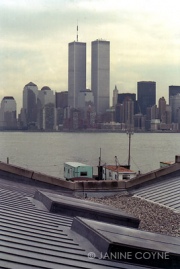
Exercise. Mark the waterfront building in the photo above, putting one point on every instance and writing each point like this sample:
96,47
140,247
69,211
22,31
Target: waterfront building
100,74
139,122
75,119
46,96
165,115
8,118
76,71
29,110
91,118
46,109
175,105
129,113
119,113
146,94
109,115
155,125
85,98
168,114
152,114
162,110
123,96
115,96
61,99
173,90
124,113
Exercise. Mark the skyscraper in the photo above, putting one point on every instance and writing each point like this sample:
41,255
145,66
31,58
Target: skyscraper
61,99
146,92
173,90
162,110
8,113
76,71
123,96
115,96
129,113
46,109
175,106
100,74
29,110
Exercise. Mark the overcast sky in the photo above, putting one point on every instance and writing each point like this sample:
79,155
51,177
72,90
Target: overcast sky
34,35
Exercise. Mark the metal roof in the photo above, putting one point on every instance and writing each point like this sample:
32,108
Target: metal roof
32,237
113,239
119,169
73,207
76,164
165,192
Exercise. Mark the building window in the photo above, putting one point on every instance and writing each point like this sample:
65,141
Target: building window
83,174
115,176
126,176
109,174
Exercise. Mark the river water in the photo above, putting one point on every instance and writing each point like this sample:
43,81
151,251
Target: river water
47,152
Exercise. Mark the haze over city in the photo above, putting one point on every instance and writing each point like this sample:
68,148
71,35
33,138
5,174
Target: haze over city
144,36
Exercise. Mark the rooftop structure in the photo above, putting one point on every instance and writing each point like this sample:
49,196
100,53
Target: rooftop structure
115,172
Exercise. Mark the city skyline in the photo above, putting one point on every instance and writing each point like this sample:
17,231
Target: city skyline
145,42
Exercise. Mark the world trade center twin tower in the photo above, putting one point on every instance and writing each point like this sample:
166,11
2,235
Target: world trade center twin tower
100,73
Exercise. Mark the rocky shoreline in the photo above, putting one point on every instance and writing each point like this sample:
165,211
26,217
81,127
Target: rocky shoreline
154,218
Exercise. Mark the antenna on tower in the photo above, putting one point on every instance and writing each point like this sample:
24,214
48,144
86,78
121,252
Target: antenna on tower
77,31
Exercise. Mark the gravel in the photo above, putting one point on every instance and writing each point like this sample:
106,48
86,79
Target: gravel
153,217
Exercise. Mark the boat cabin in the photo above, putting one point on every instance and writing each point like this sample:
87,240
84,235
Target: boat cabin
77,170
113,172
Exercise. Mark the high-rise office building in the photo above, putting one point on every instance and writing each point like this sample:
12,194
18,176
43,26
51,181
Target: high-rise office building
123,96
76,71
129,113
85,99
162,110
146,93
61,99
8,113
100,74
173,90
29,109
46,109
115,96
175,106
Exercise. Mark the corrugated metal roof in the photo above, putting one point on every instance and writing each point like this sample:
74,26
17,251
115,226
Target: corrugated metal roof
31,237
165,192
